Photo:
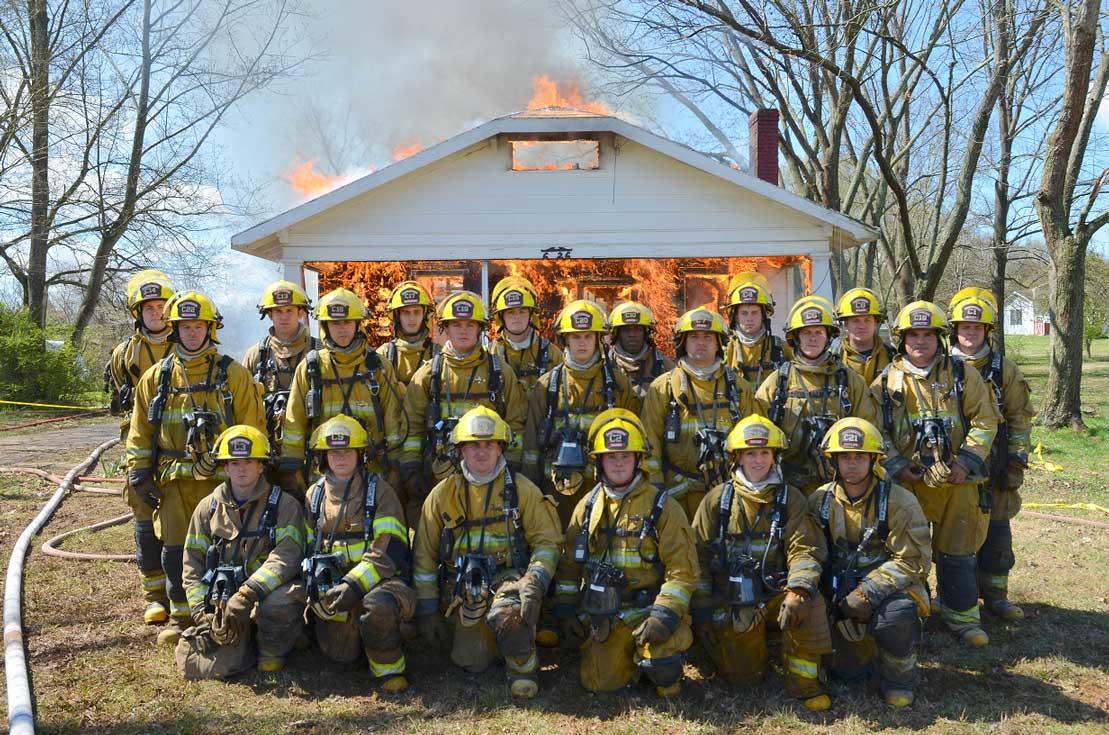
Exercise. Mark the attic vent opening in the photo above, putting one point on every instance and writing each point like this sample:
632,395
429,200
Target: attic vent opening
556,155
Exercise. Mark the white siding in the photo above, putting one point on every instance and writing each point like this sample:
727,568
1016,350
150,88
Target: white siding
1018,306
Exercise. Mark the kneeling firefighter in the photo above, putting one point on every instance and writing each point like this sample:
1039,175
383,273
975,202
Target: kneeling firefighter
242,567
357,556
564,404
761,552
879,554
628,571
485,553
941,419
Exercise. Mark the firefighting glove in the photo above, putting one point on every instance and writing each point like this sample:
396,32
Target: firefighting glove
532,590
142,482
852,631
652,631
204,468
222,633
343,597
936,475
855,606
747,617
792,612
237,612
433,629
573,629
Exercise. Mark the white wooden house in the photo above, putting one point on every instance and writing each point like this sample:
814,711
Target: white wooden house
1021,317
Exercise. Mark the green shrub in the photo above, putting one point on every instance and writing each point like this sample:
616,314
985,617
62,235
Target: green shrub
31,372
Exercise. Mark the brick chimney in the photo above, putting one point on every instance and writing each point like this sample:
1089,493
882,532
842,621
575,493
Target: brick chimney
762,144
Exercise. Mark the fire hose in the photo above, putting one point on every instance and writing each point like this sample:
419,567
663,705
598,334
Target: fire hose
21,714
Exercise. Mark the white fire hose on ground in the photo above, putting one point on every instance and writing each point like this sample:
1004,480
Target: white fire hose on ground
21,715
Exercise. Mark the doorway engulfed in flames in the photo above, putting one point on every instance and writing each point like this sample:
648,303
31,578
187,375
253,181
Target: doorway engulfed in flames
669,286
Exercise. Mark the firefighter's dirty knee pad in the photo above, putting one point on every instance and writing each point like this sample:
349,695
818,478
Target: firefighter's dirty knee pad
662,672
514,636
148,549
380,623
996,555
895,625
172,561
958,580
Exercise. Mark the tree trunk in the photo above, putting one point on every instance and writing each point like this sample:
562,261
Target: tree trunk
39,87
1062,404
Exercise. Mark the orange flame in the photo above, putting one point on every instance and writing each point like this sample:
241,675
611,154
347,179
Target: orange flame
549,93
306,180
404,150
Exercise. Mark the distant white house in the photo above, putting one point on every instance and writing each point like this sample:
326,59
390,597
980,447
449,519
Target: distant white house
1021,317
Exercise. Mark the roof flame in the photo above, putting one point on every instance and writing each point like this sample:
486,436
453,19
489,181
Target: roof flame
306,180
404,150
549,93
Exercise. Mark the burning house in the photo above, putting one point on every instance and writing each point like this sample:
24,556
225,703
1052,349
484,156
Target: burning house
582,203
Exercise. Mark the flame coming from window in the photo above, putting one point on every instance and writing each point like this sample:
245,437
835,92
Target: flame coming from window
567,94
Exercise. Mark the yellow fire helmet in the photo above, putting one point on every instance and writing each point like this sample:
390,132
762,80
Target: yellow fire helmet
147,285
974,309
582,315
617,434
631,314
854,435
701,319
339,432
515,282
242,442
976,291
811,311
283,293
860,302
920,315
192,306
340,305
755,432
462,306
751,288
481,424
410,293
615,413
515,292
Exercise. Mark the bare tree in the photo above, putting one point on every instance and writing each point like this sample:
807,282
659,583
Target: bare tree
1065,205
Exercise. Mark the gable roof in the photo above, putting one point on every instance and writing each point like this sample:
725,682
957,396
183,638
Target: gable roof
850,232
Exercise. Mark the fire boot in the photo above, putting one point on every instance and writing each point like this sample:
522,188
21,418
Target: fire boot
895,628
179,613
148,554
957,575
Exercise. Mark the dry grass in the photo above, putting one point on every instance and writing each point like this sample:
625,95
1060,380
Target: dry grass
96,669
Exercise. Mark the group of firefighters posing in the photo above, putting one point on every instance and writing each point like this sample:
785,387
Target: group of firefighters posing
507,493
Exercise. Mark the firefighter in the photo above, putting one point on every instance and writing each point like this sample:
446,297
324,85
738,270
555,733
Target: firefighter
411,308
565,402
761,554
245,546
810,392
941,419
628,570
689,411
462,376
859,312
147,292
633,348
273,361
973,318
878,559
356,556
344,376
752,349
182,404
518,342
485,552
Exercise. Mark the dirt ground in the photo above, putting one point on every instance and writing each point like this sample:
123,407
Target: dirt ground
95,667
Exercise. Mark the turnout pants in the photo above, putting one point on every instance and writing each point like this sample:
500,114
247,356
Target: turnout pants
373,630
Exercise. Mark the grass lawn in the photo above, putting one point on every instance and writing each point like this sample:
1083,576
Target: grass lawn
96,669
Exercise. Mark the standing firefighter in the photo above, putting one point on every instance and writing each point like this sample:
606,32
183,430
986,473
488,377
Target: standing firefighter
941,419
411,308
752,349
565,402
761,553
689,411
463,376
862,349
486,550
344,377
878,561
273,361
810,392
973,318
147,292
357,556
628,569
518,342
182,404
242,564
633,348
